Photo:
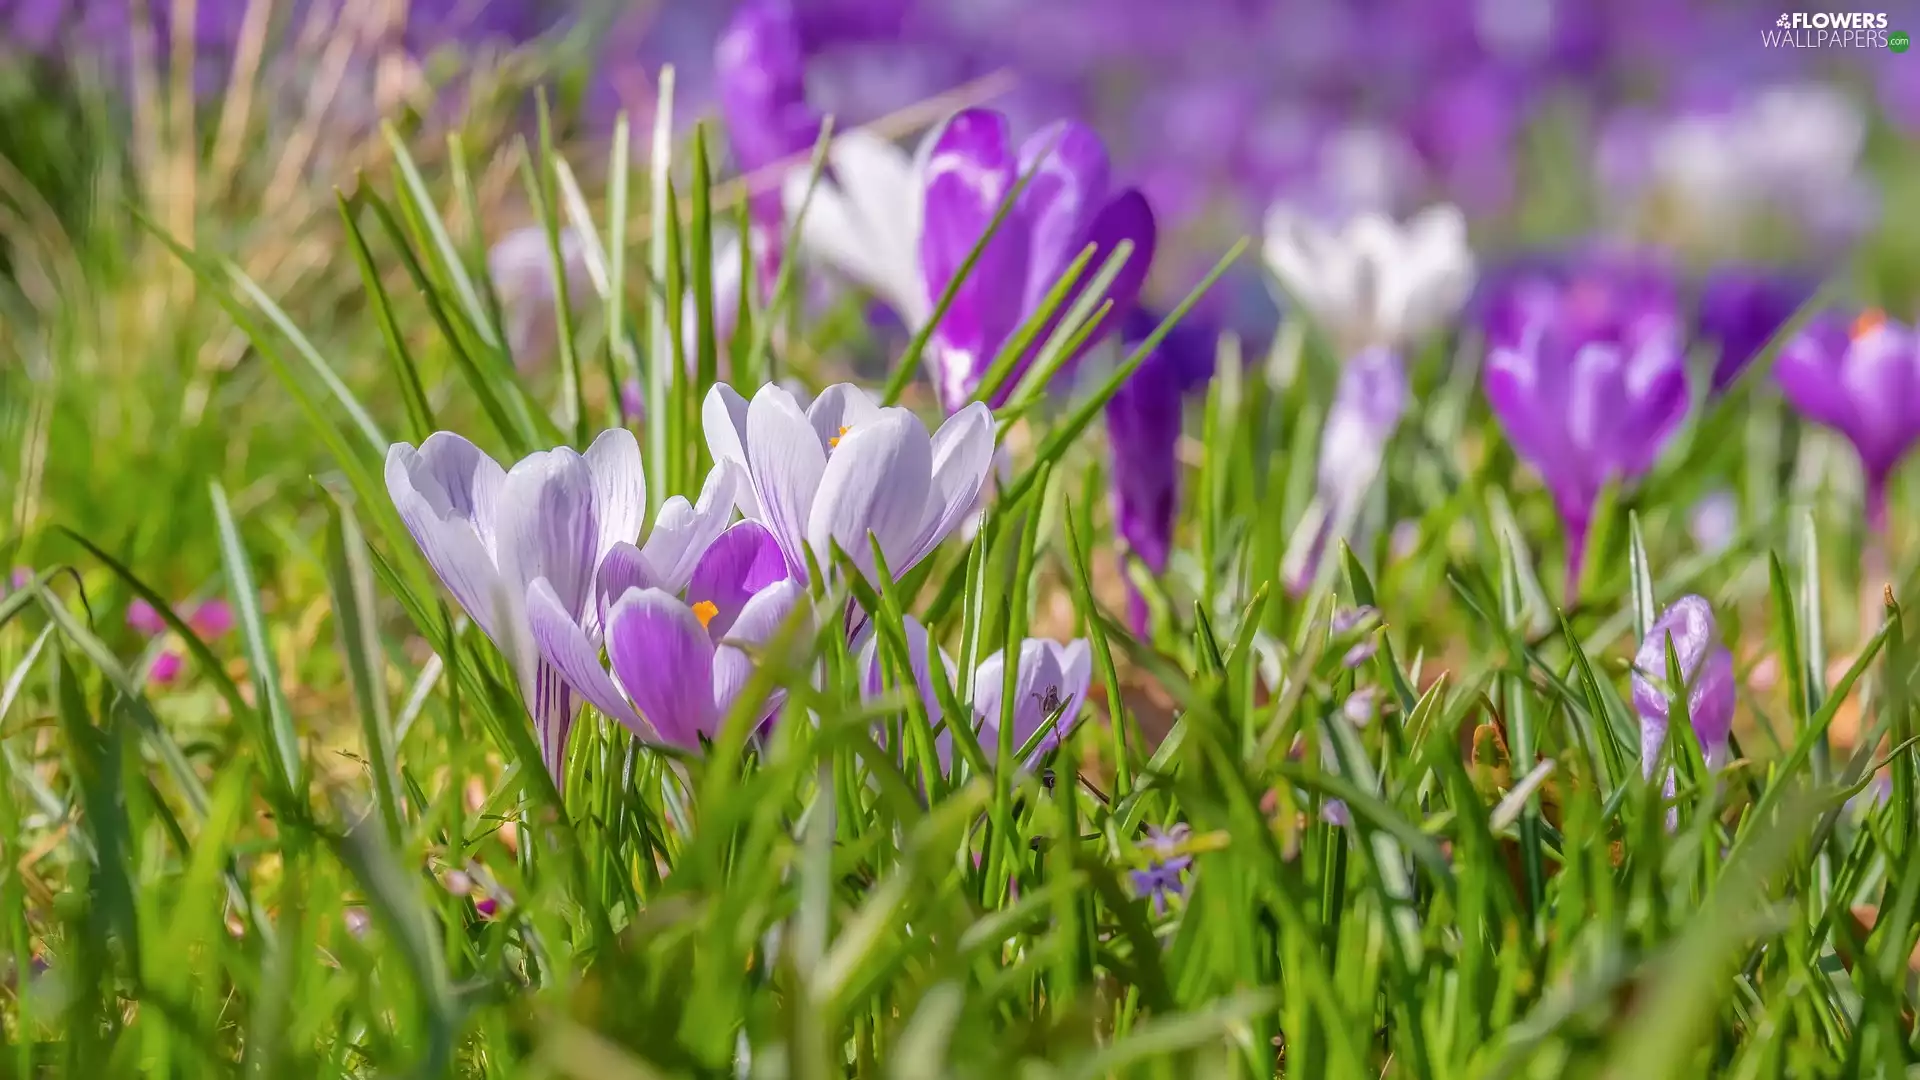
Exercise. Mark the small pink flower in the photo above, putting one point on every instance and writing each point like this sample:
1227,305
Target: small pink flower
487,906
166,668
21,575
211,619
143,618
357,921
458,882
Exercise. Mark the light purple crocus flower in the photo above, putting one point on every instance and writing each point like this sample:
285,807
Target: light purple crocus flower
1052,678
559,530
678,663
1588,378
1863,382
760,69
1705,665
846,467
1367,408
521,267
1070,203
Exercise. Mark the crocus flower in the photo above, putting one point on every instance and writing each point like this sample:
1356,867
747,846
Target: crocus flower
1707,669
846,467
863,220
1587,384
1367,407
1741,309
1162,878
208,619
761,72
1052,678
1714,521
561,525
1069,204
679,664
1143,430
1863,382
1373,282
521,266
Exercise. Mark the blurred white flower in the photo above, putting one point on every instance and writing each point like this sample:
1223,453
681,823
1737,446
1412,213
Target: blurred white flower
1374,281
863,219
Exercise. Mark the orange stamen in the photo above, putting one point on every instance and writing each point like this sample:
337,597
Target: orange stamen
1870,320
835,441
705,610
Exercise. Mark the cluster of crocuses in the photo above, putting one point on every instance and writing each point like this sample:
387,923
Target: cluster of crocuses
555,561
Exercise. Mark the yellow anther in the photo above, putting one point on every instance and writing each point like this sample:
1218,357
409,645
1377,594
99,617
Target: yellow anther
835,441
705,610
1870,320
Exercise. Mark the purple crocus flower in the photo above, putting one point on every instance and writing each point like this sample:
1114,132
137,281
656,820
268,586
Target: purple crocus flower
1863,382
1587,376
678,664
1705,665
761,71
1143,429
1162,878
557,531
1068,205
1741,309
208,619
846,467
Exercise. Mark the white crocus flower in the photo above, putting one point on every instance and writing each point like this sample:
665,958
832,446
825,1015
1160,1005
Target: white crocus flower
863,219
1374,281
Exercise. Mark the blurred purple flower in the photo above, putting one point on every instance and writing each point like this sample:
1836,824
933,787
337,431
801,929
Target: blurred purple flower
1361,706
1161,880
1741,309
760,69
145,619
20,576
1070,204
166,668
1372,397
1863,382
846,467
521,268
1707,669
1587,376
1714,521
550,542
1143,430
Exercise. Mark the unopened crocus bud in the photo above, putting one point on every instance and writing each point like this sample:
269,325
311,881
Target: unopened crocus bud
1706,667
1863,381
1366,409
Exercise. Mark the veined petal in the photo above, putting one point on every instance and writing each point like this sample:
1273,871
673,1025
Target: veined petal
962,458
456,478
839,409
549,527
447,537
563,644
664,660
741,563
864,220
787,462
619,487
876,481
682,532
1076,673
723,416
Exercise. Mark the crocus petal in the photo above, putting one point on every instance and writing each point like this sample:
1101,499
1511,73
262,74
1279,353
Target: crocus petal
786,462
962,459
864,220
549,527
1069,166
442,521
563,644
723,416
840,408
1076,672
211,618
1689,622
623,568
875,482
682,532
619,487
145,619
742,562
664,659
969,172
759,620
